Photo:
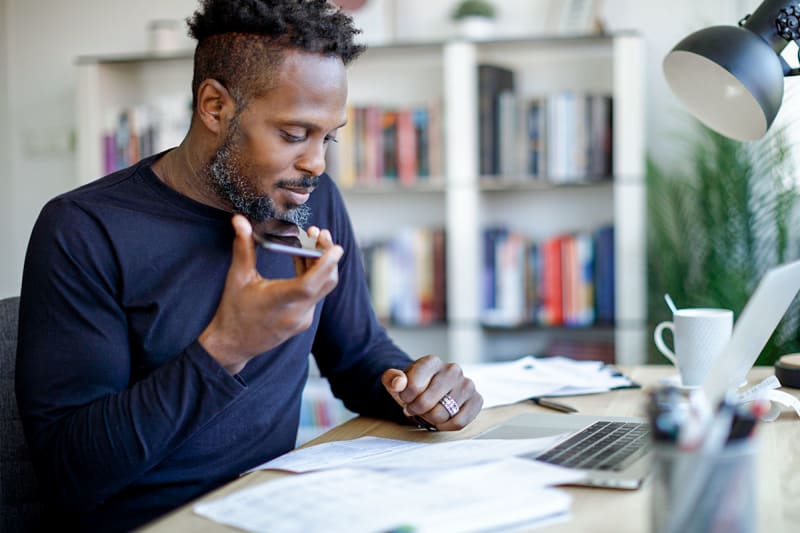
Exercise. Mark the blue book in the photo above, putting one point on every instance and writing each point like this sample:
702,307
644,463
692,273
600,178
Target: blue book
604,275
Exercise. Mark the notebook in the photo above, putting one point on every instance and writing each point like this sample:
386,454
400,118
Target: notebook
599,454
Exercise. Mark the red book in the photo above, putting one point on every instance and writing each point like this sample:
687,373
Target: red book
406,148
552,297
569,280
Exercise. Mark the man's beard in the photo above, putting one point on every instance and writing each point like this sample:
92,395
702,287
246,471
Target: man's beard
230,184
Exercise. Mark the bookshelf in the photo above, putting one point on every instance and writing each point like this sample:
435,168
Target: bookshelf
454,195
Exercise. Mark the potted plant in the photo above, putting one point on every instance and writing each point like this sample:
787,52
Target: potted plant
717,222
474,18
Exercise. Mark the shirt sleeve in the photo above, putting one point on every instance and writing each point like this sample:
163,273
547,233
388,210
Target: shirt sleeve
90,430
351,348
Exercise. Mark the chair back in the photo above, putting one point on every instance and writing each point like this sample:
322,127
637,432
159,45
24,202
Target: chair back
21,508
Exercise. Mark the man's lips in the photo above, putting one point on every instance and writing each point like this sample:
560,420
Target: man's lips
296,195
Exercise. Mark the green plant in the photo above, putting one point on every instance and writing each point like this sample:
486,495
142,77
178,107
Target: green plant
715,227
473,8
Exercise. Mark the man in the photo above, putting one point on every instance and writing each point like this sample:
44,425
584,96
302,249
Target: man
154,364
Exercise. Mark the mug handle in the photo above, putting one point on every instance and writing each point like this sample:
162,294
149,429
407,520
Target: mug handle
661,345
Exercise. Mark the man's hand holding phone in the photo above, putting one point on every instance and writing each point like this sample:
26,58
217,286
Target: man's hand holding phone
256,314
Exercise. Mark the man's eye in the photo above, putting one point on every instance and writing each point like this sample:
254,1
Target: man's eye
330,139
293,138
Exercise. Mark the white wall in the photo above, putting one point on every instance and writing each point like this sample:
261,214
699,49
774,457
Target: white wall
43,38
7,266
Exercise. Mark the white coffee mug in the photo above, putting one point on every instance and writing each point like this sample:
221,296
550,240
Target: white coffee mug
699,335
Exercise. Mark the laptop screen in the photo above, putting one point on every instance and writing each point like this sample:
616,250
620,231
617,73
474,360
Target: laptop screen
752,331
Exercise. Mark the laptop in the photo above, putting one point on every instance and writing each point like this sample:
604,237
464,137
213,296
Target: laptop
614,451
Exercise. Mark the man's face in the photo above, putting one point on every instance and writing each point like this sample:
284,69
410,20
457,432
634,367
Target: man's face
274,149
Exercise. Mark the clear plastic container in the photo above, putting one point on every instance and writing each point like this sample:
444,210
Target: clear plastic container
727,501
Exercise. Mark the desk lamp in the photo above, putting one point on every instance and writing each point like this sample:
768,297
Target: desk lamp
731,77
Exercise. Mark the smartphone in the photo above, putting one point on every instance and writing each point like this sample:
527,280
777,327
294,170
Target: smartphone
280,245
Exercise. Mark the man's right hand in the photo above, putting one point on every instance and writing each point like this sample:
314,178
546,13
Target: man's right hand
257,314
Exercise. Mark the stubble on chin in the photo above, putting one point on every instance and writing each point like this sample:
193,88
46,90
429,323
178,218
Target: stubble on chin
229,184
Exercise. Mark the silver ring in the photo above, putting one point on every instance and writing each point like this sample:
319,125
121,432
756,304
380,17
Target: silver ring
450,404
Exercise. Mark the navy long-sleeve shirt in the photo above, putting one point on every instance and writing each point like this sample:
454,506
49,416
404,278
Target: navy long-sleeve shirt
125,413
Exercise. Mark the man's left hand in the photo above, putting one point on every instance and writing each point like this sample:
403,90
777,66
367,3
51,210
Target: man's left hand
436,391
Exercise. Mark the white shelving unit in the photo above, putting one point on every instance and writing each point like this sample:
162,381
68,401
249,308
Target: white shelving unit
108,84
399,75
413,74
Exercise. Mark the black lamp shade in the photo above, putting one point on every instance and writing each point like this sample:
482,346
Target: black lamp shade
729,78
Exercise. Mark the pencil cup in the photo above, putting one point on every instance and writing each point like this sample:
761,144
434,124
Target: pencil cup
727,501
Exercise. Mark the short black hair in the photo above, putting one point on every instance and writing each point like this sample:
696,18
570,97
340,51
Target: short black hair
241,42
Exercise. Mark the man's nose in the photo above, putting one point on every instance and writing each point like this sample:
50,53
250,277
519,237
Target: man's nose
312,162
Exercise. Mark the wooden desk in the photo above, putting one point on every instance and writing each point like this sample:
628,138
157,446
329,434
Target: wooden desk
595,510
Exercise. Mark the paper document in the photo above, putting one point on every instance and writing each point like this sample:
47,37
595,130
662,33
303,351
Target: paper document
379,453
529,377
493,495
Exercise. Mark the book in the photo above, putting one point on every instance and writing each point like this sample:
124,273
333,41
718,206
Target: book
569,280
584,254
511,280
424,267
552,311
388,146
373,144
406,276
493,81
345,167
435,141
439,243
420,117
604,275
533,277
600,136
509,131
535,137
491,237
407,160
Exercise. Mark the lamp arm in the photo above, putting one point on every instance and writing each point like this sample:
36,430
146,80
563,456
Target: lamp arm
775,21
778,23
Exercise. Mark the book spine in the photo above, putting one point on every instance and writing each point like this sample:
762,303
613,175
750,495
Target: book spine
535,153
406,147
552,309
422,138
345,149
493,80
585,264
388,145
436,138
604,275
423,258
439,275
508,131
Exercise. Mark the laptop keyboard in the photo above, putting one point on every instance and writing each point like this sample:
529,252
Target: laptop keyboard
602,446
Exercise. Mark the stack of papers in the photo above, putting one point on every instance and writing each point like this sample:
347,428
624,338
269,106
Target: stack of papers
377,453
372,484
356,501
531,377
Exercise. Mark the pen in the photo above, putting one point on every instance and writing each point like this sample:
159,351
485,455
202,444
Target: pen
555,406
423,424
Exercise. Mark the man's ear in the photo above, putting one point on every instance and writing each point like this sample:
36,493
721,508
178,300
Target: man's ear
215,105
